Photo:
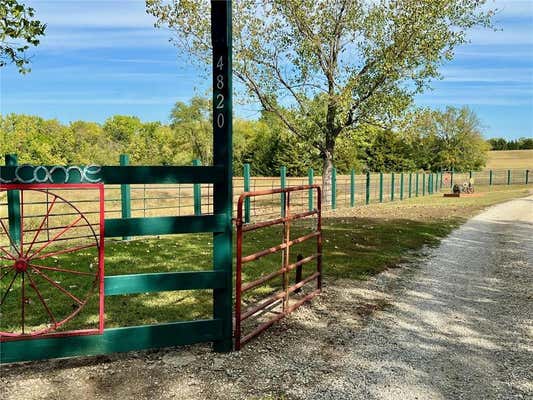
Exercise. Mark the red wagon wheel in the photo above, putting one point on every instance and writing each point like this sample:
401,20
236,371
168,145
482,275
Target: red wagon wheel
47,272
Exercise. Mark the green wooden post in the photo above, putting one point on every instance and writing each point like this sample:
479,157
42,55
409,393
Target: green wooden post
282,182
381,187
401,186
367,188
197,191
410,184
416,185
527,176
508,176
334,188
392,186
490,177
441,179
13,204
310,179
246,184
352,188
221,28
125,193
424,183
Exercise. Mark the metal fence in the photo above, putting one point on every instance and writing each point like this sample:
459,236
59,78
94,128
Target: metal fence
354,189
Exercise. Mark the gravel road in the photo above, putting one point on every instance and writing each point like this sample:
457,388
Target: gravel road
456,325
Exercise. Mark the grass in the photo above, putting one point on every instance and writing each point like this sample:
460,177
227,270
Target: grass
506,159
358,243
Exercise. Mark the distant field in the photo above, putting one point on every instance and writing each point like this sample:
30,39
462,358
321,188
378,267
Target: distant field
510,159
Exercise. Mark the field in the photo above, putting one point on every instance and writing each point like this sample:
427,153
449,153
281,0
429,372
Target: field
506,159
358,242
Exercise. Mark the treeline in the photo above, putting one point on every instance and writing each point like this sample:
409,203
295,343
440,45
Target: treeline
517,144
425,139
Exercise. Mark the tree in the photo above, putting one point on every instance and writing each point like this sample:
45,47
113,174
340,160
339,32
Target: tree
446,140
18,31
191,122
324,67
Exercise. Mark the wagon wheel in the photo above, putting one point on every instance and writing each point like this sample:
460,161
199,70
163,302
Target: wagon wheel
46,278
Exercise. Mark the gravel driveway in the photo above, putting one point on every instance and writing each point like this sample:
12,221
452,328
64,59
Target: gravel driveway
457,325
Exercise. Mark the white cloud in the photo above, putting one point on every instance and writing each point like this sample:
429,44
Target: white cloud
93,13
491,75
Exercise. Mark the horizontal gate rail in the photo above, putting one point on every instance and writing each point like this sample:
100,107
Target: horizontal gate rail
282,297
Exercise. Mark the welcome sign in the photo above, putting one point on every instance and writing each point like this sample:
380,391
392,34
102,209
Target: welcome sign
30,174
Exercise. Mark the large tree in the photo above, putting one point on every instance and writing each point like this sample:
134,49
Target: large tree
326,66
19,29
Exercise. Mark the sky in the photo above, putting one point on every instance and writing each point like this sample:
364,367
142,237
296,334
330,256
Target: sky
101,58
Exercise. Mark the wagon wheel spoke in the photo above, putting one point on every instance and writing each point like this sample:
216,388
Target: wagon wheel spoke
45,218
41,298
65,251
9,237
69,271
57,285
8,289
5,273
9,255
57,236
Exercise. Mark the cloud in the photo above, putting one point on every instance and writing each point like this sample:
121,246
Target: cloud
489,75
93,13
82,100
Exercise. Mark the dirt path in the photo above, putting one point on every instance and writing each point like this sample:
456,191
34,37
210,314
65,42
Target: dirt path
456,326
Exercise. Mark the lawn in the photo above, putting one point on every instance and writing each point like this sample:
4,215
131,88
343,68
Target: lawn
358,243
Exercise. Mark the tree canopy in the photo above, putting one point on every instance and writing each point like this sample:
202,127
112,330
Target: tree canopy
426,139
19,29
326,67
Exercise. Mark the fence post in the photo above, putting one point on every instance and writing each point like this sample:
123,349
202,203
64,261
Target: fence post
451,178
13,204
381,187
490,178
508,176
283,181
367,193
197,191
416,185
392,186
334,188
527,176
246,188
441,183
352,188
401,186
410,184
310,179
424,183
125,193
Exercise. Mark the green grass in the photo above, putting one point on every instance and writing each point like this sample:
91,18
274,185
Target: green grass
354,248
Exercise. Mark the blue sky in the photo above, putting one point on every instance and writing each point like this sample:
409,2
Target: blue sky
101,58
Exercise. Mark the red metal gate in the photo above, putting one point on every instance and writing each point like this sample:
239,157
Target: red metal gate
286,300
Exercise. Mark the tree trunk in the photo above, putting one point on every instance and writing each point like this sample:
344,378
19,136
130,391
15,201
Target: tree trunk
327,172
